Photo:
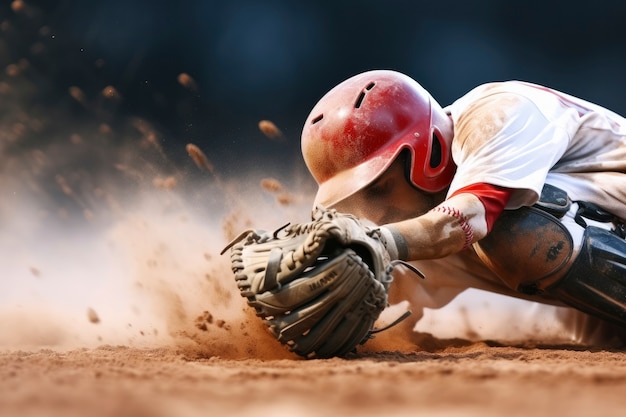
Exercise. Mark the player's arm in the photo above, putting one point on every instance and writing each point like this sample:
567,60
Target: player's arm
464,218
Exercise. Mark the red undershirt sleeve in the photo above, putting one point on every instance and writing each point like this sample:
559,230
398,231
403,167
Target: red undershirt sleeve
493,197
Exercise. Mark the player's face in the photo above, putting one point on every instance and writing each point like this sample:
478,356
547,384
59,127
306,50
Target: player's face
390,198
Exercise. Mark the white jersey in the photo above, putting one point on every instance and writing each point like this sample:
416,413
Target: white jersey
520,135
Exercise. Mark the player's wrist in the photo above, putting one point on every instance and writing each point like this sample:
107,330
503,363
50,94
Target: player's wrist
394,243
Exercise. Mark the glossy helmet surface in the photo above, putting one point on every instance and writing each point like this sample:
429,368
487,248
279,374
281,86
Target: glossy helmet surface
360,126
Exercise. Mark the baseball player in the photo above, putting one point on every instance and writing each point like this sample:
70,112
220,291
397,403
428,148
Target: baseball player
514,188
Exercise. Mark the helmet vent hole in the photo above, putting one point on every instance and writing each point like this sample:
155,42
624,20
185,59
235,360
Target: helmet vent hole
435,152
361,96
317,119
359,100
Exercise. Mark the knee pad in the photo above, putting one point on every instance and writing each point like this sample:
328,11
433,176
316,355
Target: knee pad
528,249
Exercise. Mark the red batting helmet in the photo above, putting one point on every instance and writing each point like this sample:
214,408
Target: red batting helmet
359,127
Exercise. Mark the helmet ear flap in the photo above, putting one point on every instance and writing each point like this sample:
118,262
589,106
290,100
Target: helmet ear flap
435,163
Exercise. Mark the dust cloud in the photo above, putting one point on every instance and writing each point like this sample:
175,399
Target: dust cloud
108,239
131,256
94,257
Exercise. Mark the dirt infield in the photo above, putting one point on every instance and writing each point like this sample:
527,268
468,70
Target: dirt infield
462,379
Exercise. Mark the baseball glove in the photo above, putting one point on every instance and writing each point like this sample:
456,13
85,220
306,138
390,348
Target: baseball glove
319,286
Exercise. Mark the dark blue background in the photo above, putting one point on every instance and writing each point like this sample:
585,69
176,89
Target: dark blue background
273,60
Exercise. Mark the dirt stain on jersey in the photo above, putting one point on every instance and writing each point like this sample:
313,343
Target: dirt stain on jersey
483,120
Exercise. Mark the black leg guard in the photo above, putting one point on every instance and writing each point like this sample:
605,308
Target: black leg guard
596,281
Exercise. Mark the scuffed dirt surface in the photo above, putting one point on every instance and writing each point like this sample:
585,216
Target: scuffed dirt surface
462,379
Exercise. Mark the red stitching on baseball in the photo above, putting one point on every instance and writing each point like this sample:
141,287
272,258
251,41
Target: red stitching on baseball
463,222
